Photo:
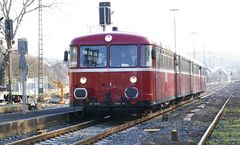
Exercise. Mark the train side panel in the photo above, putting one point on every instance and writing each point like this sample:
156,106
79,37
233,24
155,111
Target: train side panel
165,86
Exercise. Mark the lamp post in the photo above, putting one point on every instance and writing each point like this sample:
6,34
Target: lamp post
174,27
194,33
204,54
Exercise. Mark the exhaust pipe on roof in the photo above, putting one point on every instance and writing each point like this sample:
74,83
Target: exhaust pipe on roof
114,28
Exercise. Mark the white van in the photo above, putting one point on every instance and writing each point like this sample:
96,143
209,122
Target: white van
2,94
2,100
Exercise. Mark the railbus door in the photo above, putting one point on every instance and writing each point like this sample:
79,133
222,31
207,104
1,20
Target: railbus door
155,59
177,75
191,78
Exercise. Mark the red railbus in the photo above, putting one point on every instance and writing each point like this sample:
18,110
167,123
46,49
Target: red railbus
121,71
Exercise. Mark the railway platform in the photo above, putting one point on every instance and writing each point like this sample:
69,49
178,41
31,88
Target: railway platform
18,123
17,107
8,108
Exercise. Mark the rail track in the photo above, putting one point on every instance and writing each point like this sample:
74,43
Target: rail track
212,126
97,137
55,133
102,134
149,116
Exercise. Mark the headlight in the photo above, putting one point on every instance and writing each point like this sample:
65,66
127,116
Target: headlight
80,93
133,79
83,80
108,38
131,92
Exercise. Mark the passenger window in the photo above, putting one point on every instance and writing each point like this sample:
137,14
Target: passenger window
146,55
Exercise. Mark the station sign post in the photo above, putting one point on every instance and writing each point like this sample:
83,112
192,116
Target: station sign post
22,50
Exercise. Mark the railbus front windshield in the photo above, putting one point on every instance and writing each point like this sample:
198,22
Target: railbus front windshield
123,56
93,56
119,56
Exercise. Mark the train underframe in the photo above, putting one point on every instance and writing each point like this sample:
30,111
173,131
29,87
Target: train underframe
131,106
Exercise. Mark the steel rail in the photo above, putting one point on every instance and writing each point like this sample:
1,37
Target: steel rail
214,123
127,125
119,128
215,89
55,133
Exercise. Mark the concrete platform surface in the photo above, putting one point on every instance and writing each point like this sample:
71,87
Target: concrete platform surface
9,117
18,123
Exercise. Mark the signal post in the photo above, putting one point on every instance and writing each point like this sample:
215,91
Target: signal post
22,50
104,14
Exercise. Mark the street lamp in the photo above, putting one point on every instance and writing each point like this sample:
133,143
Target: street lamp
194,33
204,54
174,27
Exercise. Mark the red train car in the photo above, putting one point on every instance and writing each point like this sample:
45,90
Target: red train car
121,71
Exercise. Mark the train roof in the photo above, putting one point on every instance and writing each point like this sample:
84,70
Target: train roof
190,59
117,38
121,38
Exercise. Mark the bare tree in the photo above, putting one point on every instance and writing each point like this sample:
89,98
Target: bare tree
15,10
22,8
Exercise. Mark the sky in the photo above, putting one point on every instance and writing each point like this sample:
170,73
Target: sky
215,24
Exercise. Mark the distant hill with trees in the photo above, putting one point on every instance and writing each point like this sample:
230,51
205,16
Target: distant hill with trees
54,69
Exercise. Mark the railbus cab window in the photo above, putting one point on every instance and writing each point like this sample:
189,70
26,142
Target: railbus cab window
93,56
123,56
146,55
73,57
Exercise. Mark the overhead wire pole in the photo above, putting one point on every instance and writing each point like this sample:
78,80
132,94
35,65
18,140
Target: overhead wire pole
204,54
194,44
174,25
175,50
40,51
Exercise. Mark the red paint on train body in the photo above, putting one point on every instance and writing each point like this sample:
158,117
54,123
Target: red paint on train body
128,71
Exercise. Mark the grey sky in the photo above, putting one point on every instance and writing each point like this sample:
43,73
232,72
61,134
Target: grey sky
215,21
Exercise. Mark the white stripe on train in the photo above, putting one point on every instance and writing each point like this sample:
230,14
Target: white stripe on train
124,70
